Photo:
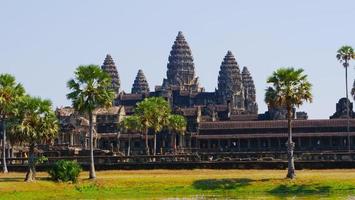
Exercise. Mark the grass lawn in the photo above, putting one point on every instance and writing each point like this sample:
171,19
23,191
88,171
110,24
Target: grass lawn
193,184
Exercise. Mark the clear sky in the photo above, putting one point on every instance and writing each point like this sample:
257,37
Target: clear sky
42,42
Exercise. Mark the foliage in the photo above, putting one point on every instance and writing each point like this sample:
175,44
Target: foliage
10,93
153,113
131,124
41,159
36,121
90,89
345,54
65,170
290,88
177,123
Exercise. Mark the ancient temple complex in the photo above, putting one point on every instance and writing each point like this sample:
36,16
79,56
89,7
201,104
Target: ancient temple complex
224,120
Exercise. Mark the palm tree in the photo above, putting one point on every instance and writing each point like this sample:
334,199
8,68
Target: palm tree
153,113
290,88
176,124
344,55
10,93
36,123
131,124
90,90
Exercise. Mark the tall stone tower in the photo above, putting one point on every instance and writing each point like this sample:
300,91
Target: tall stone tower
181,68
109,67
140,85
230,87
251,106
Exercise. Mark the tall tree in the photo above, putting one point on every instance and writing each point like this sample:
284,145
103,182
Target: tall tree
90,90
176,124
35,123
290,88
153,113
131,124
10,93
344,55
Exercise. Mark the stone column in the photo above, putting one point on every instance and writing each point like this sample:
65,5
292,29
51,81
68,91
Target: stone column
71,139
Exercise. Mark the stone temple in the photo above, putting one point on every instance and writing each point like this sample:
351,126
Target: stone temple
224,120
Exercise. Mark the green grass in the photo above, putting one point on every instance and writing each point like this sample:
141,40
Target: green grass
162,184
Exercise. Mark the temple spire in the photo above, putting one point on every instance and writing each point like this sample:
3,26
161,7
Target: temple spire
140,84
181,68
230,87
249,92
109,67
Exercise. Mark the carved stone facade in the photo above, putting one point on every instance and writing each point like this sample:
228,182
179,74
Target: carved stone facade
341,111
181,68
249,92
140,85
230,86
109,67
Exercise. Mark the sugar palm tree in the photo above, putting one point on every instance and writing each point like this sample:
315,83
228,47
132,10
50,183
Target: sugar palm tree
131,124
290,88
344,55
176,124
153,113
90,90
35,123
10,94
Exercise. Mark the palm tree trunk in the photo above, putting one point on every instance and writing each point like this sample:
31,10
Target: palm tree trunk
155,144
92,174
347,106
4,164
129,146
146,143
31,172
174,142
290,146
118,141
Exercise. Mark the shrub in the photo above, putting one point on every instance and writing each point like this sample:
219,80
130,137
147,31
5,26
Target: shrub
65,170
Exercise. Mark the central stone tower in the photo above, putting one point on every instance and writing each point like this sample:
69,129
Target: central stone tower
109,67
181,68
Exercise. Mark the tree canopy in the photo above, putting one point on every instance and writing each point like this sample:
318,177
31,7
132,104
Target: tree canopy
290,88
90,89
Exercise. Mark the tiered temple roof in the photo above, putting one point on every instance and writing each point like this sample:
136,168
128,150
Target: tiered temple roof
110,67
230,87
140,84
249,92
181,69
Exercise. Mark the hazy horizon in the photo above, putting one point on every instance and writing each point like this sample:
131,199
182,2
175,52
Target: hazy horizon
43,42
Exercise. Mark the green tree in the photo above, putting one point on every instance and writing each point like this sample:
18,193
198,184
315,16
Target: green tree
10,93
290,88
344,55
176,124
153,113
90,90
131,124
35,123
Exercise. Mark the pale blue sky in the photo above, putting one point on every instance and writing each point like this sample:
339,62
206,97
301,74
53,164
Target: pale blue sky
42,42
